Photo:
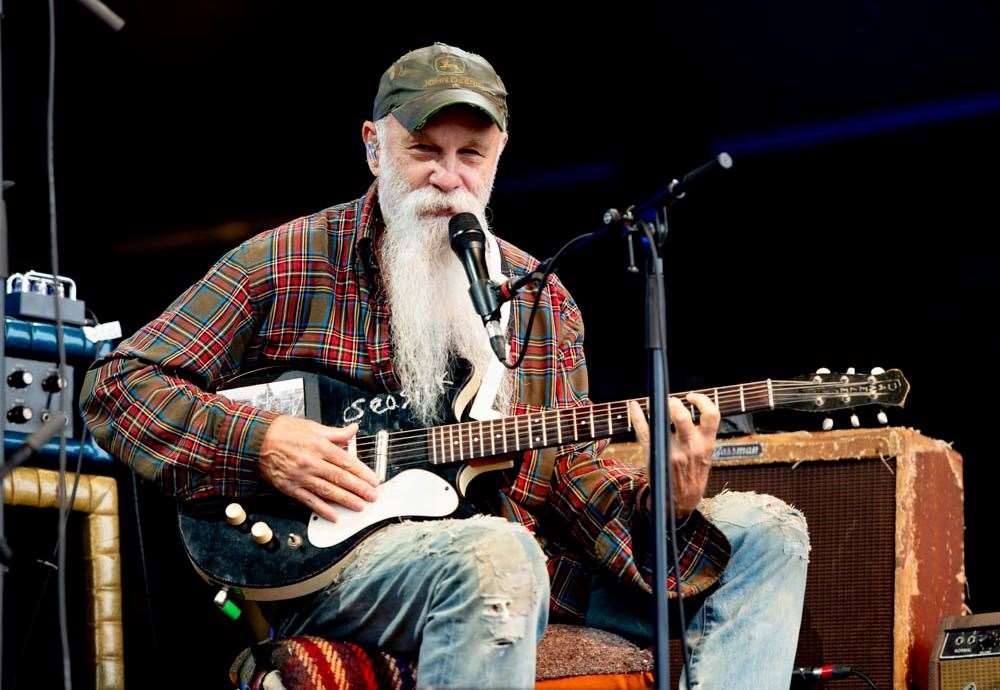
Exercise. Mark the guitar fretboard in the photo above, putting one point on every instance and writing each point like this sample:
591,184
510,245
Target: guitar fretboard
457,442
465,441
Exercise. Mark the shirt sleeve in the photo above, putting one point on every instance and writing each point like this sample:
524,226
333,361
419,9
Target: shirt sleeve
600,501
147,402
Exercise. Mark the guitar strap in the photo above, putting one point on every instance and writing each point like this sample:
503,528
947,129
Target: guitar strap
482,407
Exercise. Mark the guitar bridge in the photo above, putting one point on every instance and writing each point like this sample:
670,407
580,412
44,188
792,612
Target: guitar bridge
381,454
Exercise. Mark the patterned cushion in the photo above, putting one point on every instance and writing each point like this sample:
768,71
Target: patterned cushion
312,663
569,656
573,650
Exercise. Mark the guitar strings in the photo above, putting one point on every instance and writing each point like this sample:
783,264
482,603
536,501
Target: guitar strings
403,454
462,429
724,401
729,394
751,393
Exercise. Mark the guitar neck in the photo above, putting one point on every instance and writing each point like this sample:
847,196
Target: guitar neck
466,441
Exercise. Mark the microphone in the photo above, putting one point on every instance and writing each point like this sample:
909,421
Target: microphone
469,243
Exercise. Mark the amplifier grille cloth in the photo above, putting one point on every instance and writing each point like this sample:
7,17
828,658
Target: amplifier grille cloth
850,506
956,674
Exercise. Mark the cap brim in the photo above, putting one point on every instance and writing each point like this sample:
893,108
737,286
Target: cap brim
416,113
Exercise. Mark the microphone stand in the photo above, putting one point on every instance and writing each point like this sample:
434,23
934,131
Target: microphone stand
659,460
647,222
652,234
651,237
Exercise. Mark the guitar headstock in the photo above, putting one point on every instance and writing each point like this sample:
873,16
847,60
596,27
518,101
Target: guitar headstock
826,391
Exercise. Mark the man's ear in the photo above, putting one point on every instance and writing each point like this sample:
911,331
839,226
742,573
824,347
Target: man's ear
503,141
370,139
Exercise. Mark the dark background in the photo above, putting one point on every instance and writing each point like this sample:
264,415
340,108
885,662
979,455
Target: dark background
854,230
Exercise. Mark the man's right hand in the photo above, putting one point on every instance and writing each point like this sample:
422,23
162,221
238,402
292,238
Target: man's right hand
308,461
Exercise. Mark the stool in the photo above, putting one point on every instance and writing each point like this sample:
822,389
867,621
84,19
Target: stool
570,657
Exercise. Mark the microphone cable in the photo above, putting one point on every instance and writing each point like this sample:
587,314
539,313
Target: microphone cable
540,275
60,346
831,672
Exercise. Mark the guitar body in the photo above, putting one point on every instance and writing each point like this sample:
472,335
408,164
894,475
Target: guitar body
303,554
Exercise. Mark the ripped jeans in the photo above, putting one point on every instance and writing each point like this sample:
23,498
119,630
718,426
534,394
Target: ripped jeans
471,595
746,631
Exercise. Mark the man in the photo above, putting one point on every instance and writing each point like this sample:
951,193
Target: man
371,291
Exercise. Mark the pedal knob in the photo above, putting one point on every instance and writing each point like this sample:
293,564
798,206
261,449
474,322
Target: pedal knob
20,379
827,424
855,422
883,418
822,370
53,383
850,371
261,533
19,414
235,515
877,371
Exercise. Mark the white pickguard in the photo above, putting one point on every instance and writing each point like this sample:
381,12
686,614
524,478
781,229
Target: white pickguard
416,493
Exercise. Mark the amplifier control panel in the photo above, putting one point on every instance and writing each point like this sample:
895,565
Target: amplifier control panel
972,642
33,390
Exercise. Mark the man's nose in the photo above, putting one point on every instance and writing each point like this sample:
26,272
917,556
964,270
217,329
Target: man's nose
445,178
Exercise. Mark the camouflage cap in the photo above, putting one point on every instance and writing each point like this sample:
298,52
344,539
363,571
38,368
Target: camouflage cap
427,80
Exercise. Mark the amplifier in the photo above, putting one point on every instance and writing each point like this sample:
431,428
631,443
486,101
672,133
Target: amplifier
967,654
886,522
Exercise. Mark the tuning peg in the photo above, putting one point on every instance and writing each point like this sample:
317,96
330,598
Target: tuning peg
822,370
883,418
877,370
855,422
827,424
850,371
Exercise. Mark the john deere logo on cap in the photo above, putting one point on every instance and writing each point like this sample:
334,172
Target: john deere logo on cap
449,64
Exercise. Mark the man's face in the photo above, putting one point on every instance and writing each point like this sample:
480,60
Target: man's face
448,163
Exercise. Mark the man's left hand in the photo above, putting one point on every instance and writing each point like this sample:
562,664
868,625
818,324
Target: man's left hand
691,447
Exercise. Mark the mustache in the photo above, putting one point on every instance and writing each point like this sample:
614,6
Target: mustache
432,201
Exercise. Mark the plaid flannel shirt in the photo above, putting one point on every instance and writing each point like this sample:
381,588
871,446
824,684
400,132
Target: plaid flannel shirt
310,290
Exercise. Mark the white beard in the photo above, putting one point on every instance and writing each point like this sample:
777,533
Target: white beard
431,314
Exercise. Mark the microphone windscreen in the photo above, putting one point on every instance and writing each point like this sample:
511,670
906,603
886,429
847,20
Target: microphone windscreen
464,227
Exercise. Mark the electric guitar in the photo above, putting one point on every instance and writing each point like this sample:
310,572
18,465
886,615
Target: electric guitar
270,547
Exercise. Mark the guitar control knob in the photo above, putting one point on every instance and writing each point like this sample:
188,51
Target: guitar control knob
883,418
827,424
19,414
261,533
53,383
235,515
20,379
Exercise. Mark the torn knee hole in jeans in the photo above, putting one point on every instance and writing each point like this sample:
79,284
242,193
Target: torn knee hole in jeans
793,528
789,519
505,629
506,588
